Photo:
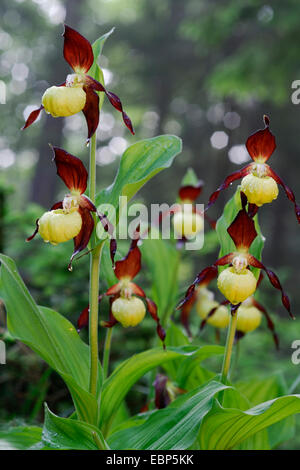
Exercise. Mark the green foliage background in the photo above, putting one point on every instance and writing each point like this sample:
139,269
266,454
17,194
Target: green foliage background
179,68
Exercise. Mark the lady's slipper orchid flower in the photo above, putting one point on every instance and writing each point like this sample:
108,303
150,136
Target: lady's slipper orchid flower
71,218
205,303
126,306
78,93
237,282
165,391
187,221
259,181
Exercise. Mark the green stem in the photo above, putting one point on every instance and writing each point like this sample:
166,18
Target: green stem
106,352
95,257
228,347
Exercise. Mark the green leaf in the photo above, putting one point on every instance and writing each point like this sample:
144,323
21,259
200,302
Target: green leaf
139,163
227,246
226,428
50,335
95,70
172,428
64,433
162,260
116,387
20,437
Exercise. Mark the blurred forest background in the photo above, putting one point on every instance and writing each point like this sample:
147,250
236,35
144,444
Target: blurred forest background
205,70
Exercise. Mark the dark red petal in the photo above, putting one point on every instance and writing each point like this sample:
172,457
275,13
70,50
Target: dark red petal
91,111
83,319
242,230
227,182
78,51
71,170
113,290
114,100
137,290
203,278
274,281
261,144
185,312
211,222
212,312
35,232
287,190
32,117
270,323
190,192
162,398
57,205
152,309
82,239
227,259
86,203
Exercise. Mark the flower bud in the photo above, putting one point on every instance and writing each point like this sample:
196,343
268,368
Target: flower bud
259,190
205,303
63,100
59,226
248,318
187,223
236,286
129,312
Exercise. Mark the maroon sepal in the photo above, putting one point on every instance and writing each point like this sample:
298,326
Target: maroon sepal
82,239
287,190
152,309
70,169
227,182
83,319
32,117
274,281
91,111
261,144
35,232
190,193
242,230
270,323
130,265
162,398
114,100
212,312
78,51
203,278
185,312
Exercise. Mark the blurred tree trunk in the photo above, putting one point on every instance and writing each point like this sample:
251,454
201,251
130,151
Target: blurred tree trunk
45,180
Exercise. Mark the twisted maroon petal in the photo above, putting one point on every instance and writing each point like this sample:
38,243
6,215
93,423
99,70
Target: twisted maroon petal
32,117
137,290
78,51
114,100
152,309
70,169
91,111
287,190
57,205
185,312
242,230
270,323
274,281
35,232
261,144
82,239
203,278
224,260
227,182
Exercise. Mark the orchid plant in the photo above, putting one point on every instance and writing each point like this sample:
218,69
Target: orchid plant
205,410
